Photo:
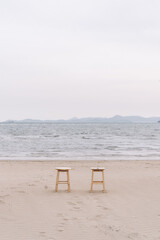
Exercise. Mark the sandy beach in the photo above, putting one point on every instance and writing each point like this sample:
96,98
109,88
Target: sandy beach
30,209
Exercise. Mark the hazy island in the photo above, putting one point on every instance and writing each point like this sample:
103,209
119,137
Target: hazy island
114,119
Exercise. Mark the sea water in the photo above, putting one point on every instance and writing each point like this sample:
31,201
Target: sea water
80,141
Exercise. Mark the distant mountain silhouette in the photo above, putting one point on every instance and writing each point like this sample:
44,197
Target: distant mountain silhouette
114,119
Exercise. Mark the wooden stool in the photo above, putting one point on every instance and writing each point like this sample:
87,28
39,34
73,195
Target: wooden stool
97,169
62,169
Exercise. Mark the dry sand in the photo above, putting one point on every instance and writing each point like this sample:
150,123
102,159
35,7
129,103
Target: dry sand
30,209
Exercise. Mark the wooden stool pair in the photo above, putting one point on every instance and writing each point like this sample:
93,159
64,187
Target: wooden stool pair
66,170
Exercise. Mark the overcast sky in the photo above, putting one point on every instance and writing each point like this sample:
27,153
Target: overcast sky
66,58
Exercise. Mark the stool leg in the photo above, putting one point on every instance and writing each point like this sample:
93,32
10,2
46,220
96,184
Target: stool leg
92,181
103,181
57,181
68,180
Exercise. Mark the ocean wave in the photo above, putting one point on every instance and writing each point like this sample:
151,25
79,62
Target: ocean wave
95,141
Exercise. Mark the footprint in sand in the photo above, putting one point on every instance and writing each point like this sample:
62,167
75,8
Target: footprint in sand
6,195
76,207
133,236
71,203
42,233
80,202
104,208
1,201
60,228
21,191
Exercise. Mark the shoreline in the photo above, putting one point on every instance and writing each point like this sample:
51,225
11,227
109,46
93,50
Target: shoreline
82,160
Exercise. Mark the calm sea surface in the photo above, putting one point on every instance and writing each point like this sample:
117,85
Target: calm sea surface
90,141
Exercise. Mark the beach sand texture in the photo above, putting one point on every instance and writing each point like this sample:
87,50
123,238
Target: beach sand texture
30,209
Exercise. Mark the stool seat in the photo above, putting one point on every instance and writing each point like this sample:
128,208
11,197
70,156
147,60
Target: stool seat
97,168
62,169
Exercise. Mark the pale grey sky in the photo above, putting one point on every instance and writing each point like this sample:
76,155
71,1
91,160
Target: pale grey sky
65,58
